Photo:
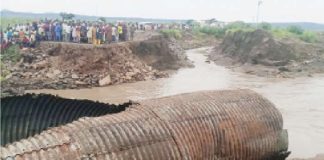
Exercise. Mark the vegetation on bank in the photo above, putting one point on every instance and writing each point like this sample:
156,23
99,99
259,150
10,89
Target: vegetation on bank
292,32
12,54
171,33
12,21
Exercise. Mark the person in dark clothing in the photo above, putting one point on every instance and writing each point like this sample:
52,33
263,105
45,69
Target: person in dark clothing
48,34
125,32
83,33
35,26
99,34
52,30
25,42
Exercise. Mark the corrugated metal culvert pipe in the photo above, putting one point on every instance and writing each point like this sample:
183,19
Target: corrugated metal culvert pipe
27,115
229,125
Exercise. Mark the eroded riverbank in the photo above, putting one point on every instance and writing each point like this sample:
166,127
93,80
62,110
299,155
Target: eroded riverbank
300,100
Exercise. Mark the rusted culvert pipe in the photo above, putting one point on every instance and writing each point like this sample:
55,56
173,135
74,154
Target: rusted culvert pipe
27,115
205,125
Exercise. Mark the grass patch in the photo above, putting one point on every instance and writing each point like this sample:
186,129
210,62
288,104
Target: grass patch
282,33
214,31
11,53
309,37
306,36
13,21
171,33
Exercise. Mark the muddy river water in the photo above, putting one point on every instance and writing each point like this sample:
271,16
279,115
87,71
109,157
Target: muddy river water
300,100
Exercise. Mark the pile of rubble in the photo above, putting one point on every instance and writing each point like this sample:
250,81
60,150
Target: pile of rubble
69,66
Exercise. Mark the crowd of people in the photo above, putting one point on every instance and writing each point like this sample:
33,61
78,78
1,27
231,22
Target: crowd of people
79,32
27,35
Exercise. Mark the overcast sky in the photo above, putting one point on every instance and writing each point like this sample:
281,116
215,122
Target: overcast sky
225,10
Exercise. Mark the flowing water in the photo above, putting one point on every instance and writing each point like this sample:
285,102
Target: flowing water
300,100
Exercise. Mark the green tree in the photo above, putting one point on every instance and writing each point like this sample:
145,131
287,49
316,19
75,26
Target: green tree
266,26
309,37
190,22
296,30
66,16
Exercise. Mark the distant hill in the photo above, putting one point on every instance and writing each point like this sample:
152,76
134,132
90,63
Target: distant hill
304,25
28,15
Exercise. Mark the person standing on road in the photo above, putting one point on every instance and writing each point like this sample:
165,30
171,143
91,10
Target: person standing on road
73,33
132,31
46,29
67,31
120,32
114,33
98,34
94,35
50,26
78,33
84,32
125,32
52,29
89,34
58,32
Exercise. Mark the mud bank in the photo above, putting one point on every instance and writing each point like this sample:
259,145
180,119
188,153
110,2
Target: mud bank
190,40
259,53
67,65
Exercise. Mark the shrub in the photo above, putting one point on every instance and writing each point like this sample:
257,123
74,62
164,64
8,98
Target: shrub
215,31
172,33
282,33
11,53
295,29
238,25
265,26
309,37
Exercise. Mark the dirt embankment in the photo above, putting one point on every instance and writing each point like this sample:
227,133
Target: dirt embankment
259,53
190,40
161,54
67,65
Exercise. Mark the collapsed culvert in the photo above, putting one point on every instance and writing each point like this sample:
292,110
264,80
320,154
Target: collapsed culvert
27,115
205,125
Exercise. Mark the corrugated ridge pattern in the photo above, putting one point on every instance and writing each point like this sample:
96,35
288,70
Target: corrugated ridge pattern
204,125
225,124
27,115
135,134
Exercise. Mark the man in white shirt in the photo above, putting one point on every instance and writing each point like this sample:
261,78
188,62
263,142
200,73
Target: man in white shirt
67,32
